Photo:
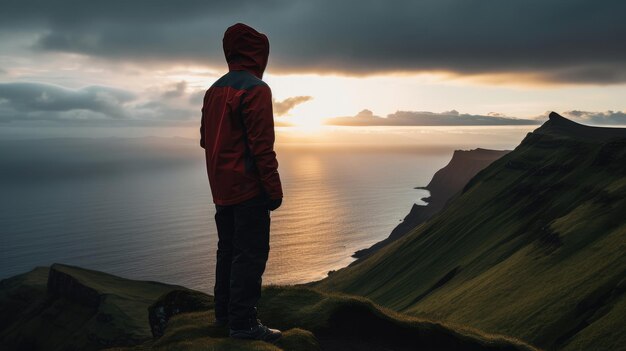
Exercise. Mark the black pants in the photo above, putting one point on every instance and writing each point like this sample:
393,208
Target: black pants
242,249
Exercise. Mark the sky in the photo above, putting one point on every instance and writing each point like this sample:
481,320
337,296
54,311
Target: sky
78,68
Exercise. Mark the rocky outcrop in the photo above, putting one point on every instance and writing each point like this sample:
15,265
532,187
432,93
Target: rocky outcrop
63,284
69,308
173,303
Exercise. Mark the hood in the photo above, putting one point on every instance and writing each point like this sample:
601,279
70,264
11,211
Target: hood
246,49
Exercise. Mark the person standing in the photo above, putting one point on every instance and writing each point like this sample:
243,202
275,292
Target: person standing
237,134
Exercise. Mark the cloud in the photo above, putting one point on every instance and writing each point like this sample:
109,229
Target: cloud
422,118
197,98
37,101
597,118
576,41
29,101
177,91
283,107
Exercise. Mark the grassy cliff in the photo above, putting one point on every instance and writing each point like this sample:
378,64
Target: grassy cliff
445,184
533,247
70,308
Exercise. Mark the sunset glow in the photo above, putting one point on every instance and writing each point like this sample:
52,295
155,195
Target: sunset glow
359,175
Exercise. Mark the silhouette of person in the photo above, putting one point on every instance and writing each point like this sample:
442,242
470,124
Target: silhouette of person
237,134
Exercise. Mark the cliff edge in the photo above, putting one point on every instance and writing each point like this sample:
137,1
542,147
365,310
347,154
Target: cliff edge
69,308
444,185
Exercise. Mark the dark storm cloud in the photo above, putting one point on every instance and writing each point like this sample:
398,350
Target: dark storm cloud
423,118
576,41
69,13
23,102
283,107
36,101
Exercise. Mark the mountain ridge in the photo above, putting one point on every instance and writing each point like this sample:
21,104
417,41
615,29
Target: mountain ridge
532,247
562,126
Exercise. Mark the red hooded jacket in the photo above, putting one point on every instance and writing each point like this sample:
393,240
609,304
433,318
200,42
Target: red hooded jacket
237,130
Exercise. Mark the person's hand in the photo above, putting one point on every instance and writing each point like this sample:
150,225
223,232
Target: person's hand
273,204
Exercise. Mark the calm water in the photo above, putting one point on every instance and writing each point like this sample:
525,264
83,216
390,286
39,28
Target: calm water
141,208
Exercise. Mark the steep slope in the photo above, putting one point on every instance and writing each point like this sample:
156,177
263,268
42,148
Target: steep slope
69,308
533,247
445,183
65,308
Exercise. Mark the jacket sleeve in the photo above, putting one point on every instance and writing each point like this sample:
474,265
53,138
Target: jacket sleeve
258,119
202,131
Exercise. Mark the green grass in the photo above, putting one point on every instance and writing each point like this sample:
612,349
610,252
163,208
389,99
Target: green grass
533,248
314,320
89,309
124,299
193,331
64,318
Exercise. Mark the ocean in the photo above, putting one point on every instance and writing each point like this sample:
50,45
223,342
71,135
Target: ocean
141,207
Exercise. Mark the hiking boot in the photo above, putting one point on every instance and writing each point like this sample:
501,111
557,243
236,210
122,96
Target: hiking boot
257,332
